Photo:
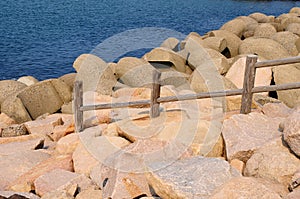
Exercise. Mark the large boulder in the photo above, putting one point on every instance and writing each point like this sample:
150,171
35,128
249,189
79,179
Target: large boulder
287,74
28,80
244,134
217,43
68,79
267,48
207,175
171,43
289,20
8,87
264,30
274,162
260,17
236,73
126,64
166,55
233,41
95,74
294,28
291,132
287,40
236,26
45,97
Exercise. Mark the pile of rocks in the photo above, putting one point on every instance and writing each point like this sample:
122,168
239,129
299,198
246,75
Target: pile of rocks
194,149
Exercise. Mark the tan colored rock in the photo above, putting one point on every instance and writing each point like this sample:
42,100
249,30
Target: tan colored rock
118,184
244,187
9,87
28,80
295,10
274,162
13,147
289,20
294,28
54,162
166,55
208,175
14,108
61,131
59,179
171,43
264,30
232,41
111,130
92,150
174,78
219,60
287,40
90,194
45,97
67,144
44,126
276,110
236,72
263,47
195,37
236,26
126,64
260,17
15,165
95,74
293,195
287,74
68,79
14,130
21,138
58,194
244,134
238,165
6,120
217,43
291,132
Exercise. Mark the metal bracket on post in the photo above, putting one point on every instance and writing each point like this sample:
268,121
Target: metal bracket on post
155,94
78,103
249,79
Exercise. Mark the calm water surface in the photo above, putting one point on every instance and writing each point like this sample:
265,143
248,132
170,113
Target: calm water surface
43,38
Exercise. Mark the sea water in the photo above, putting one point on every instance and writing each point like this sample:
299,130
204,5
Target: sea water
42,38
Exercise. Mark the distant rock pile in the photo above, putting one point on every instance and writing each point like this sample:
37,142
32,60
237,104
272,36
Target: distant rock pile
194,149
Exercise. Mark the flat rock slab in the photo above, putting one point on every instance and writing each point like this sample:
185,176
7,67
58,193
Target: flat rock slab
244,134
14,165
196,177
13,147
12,194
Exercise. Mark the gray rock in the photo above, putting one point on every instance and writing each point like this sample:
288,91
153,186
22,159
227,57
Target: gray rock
14,130
274,162
196,177
291,132
244,134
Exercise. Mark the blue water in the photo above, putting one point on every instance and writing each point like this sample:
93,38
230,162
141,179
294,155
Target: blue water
42,38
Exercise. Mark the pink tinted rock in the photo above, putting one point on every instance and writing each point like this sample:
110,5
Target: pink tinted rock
54,162
15,165
60,179
67,144
13,147
44,125
291,132
61,131
276,110
244,134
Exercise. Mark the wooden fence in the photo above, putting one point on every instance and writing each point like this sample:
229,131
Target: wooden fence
246,92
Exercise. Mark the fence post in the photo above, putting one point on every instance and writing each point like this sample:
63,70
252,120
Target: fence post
78,103
155,94
249,79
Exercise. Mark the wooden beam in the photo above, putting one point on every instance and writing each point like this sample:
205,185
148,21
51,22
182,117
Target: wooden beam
279,87
155,94
249,79
277,62
78,103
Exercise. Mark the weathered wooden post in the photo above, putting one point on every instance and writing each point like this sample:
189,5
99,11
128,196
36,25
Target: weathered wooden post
155,94
249,79
78,103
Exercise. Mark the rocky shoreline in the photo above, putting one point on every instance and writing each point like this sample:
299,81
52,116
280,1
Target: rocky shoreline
194,149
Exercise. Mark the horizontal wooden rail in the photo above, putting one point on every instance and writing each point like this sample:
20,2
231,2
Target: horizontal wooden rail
279,87
277,62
